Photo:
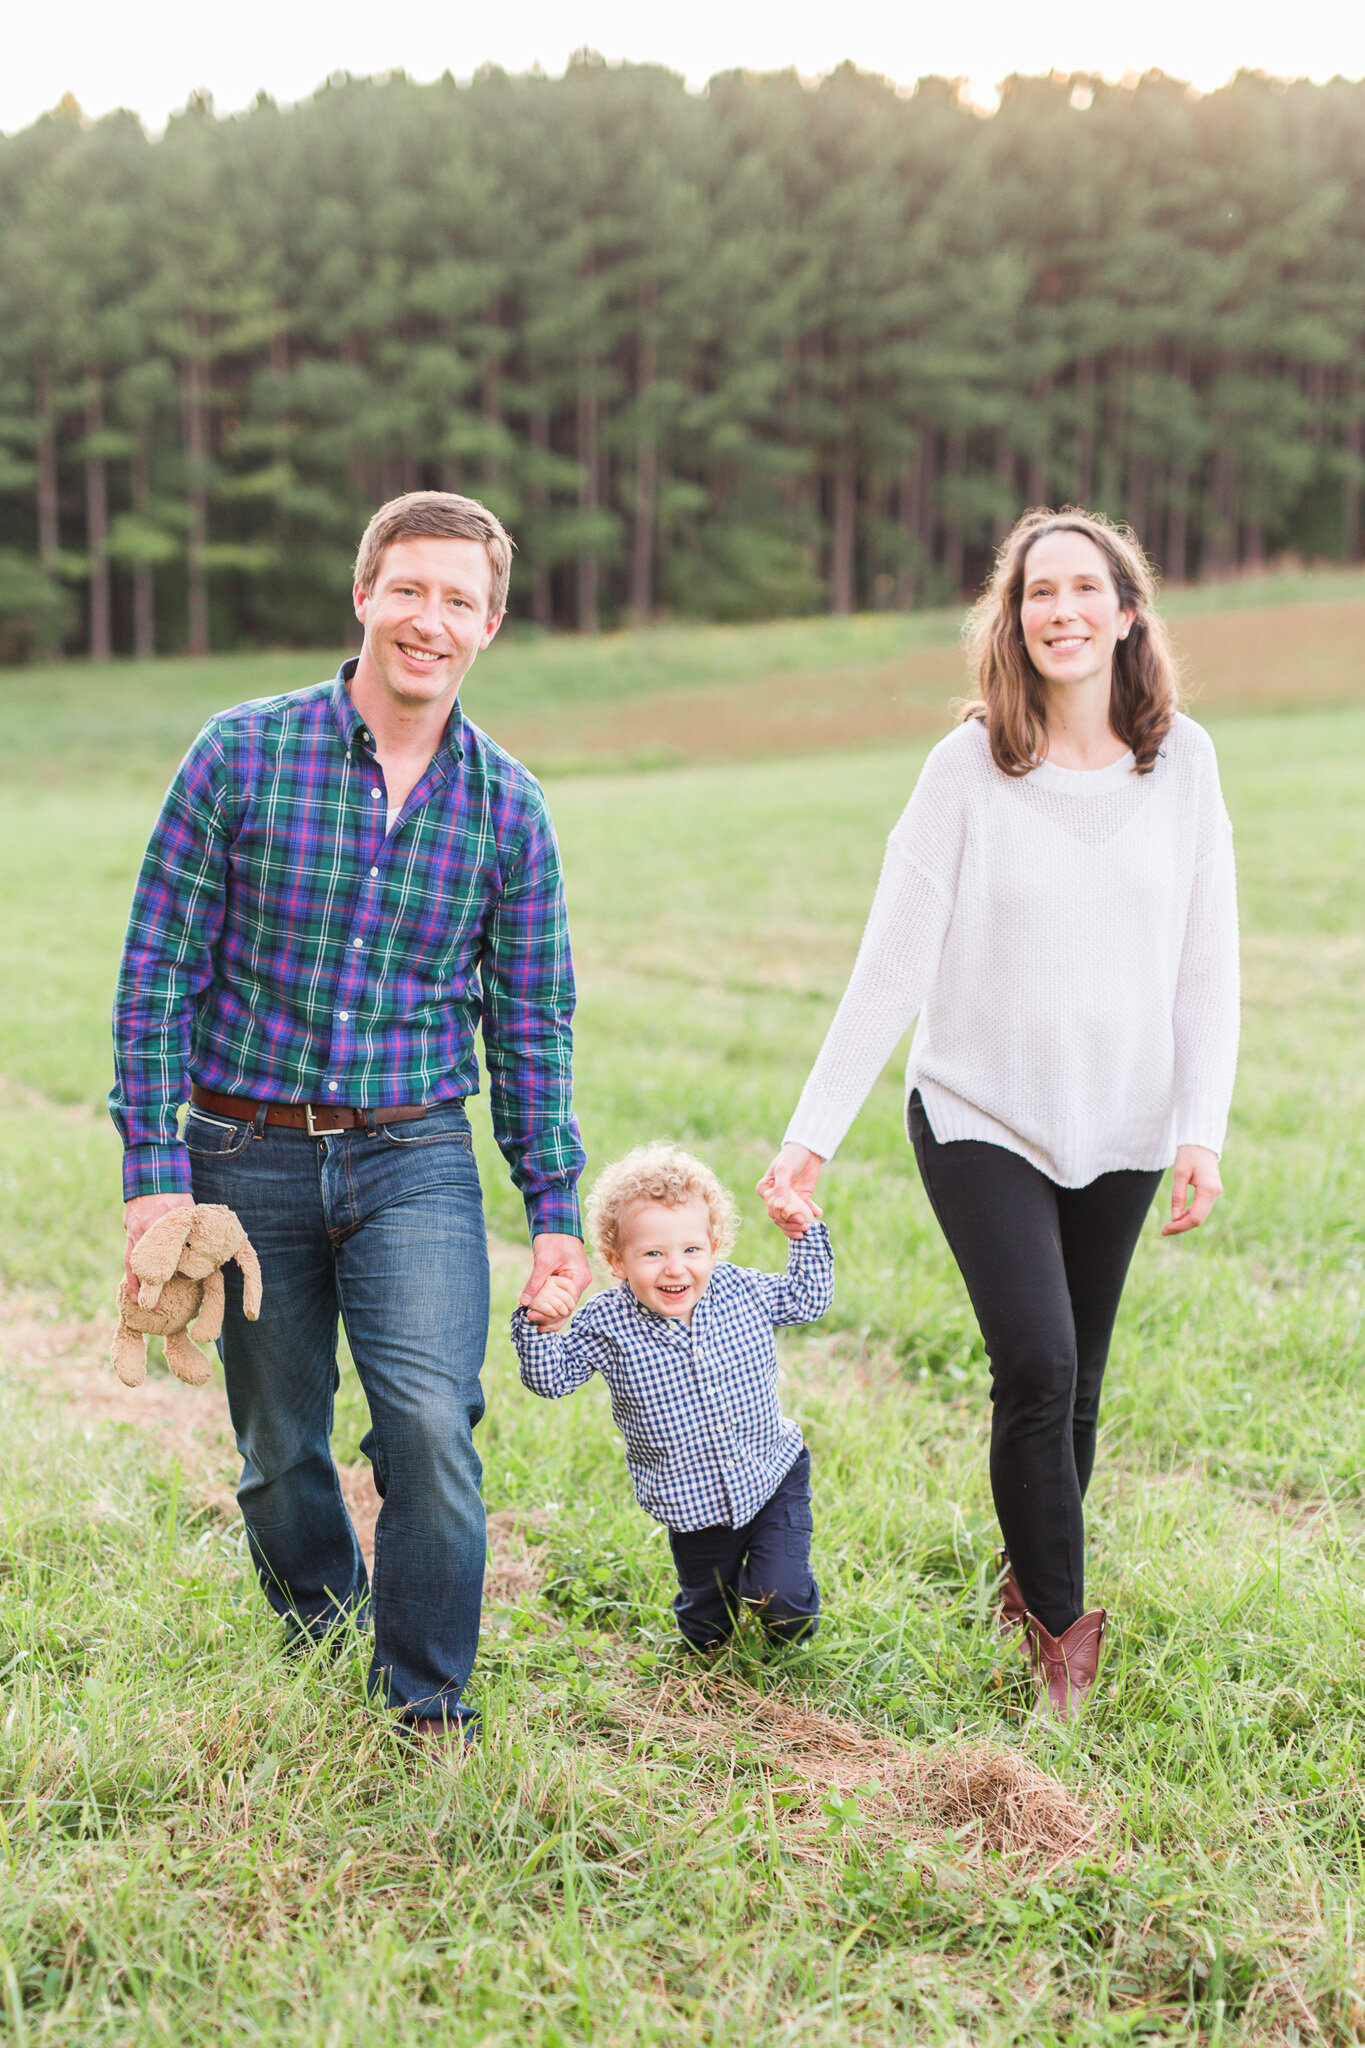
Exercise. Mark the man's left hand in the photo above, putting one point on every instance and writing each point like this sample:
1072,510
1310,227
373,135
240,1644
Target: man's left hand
556,1256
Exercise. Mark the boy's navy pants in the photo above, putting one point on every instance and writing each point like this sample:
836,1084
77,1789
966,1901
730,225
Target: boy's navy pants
764,1566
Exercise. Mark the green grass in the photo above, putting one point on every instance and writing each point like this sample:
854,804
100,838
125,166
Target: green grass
131,720
201,1842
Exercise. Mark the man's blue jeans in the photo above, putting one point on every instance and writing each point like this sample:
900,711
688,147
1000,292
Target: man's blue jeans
387,1231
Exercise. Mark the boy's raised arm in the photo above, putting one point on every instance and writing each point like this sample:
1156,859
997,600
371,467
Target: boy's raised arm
804,1292
554,1364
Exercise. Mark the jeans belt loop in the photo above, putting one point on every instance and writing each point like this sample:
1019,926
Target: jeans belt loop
258,1121
371,1122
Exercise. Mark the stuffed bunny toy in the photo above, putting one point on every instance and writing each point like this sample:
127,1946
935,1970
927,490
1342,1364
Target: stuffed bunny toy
178,1263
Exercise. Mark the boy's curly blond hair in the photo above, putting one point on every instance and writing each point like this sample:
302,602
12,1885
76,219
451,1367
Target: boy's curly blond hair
656,1173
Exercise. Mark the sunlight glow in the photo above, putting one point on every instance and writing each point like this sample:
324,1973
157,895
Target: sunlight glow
150,54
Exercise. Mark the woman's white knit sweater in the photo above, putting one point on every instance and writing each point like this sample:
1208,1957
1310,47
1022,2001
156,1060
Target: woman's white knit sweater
1068,939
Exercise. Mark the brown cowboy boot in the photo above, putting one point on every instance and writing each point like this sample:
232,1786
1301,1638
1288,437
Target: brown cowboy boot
1065,1665
1012,1612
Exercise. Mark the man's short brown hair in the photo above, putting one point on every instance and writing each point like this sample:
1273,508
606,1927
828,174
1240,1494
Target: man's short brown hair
436,515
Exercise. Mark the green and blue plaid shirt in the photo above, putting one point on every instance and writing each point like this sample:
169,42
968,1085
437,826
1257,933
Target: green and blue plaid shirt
284,945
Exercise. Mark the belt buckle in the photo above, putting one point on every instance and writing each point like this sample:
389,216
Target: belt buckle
311,1127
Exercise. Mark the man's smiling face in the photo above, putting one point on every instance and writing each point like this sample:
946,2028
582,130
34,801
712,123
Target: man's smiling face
427,617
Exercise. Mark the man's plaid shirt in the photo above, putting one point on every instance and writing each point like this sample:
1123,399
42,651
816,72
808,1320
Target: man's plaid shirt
706,1442
284,945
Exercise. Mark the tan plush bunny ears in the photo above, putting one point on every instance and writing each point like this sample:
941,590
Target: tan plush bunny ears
178,1263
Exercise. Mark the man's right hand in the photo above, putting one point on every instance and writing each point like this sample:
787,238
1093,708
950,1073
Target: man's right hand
793,1173
138,1216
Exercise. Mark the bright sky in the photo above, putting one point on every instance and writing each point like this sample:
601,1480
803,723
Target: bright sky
149,54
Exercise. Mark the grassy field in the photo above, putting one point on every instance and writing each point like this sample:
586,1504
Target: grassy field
198,1841
674,695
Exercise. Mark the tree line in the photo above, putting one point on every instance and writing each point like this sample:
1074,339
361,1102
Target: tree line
765,349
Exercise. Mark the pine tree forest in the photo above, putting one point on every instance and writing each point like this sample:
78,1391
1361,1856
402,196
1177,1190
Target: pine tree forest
770,348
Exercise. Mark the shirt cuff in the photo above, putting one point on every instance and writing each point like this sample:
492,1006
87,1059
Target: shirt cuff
156,1170
554,1209
1202,1123
821,1134
813,1242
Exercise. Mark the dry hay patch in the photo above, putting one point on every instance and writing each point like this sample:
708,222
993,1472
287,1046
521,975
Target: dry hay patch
786,713
990,1801
65,1362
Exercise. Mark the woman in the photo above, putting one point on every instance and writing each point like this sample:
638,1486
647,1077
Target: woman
1058,905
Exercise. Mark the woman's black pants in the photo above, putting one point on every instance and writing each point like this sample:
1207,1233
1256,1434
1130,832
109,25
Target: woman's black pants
1044,1267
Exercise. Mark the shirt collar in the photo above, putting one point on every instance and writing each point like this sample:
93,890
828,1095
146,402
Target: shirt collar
357,738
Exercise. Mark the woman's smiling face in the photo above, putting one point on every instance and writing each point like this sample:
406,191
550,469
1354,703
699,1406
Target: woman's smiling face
1069,610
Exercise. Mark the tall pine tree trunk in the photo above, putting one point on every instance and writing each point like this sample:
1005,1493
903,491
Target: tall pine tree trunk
844,528
1355,446
1135,511
490,408
1004,479
1112,449
359,471
194,427
1083,464
1253,544
954,540
48,507
1221,537
586,448
642,542
646,468
1039,486
48,536
97,523
1176,555
542,590
911,496
144,594
1178,526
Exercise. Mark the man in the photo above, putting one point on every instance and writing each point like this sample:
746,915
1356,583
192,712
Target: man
343,883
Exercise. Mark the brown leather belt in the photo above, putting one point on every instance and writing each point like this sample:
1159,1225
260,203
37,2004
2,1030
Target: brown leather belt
318,1119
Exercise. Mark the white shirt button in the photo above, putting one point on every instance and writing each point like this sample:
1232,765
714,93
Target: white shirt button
358,942
333,1086
373,872
344,1015
375,794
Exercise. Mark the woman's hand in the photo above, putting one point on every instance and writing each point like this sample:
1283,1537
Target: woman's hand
793,1173
1195,1174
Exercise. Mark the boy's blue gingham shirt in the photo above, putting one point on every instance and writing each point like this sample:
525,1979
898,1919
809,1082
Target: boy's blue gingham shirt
706,1442
286,946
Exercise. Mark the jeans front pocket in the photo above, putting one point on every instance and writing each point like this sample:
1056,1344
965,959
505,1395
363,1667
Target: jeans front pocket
214,1137
444,1124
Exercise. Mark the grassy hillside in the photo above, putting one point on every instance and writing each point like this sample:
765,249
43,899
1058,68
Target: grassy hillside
201,1841
695,693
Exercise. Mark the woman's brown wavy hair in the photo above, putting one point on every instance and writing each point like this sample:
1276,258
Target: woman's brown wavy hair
1012,700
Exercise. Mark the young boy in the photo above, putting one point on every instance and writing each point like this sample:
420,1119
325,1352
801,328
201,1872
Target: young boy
685,1345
